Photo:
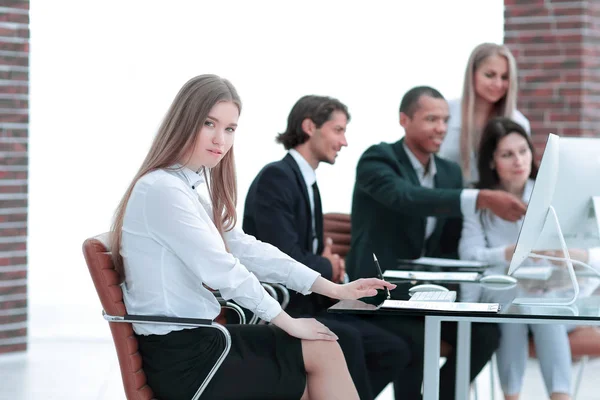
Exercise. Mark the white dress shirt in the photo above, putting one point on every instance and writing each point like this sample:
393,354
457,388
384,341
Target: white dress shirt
310,177
450,148
468,197
485,236
171,247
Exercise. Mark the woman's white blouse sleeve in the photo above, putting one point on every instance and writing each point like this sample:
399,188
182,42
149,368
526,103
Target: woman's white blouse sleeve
269,263
473,246
176,220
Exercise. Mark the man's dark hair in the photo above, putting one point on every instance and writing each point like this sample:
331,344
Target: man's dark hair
318,108
410,101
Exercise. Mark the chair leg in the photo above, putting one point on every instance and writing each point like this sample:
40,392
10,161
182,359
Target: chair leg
492,377
220,360
582,362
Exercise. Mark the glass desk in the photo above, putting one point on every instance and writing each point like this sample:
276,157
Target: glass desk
585,311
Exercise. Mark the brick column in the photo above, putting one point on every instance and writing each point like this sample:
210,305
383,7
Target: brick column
14,122
557,47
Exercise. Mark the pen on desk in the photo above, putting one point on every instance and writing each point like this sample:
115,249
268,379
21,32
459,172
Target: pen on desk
380,275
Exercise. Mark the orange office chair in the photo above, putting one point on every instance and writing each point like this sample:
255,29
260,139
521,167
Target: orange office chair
585,344
107,283
338,226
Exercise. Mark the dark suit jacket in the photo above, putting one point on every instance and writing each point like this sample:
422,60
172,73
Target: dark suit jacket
277,211
390,207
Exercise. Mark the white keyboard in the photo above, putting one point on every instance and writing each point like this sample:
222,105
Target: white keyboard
438,295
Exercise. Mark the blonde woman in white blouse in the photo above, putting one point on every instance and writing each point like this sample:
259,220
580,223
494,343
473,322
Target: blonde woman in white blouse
173,241
489,90
506,162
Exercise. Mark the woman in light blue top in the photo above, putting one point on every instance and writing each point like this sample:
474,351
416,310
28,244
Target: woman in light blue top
489,90
506,162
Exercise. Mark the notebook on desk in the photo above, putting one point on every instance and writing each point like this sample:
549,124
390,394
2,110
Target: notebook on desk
439,306
432,276
445,263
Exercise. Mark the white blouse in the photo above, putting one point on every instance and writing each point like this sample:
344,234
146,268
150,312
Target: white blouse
485,235
171,247
450,148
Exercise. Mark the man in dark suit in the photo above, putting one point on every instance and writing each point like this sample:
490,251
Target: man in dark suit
283,207
408,203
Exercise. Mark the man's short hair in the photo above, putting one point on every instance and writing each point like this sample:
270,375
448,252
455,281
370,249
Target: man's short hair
410,101
318,108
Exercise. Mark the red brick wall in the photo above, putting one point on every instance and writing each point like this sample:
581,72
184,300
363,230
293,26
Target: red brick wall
14,122
557,47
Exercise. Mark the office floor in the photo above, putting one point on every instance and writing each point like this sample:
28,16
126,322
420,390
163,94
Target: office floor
68,360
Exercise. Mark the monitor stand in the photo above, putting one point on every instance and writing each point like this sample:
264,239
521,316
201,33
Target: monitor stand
564,301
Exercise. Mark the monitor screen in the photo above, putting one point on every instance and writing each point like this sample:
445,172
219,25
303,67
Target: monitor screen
568,180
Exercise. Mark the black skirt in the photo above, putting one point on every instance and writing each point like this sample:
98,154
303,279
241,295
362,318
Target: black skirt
264,363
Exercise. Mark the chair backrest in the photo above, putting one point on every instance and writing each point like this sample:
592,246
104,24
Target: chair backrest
337,226
106,280
584,342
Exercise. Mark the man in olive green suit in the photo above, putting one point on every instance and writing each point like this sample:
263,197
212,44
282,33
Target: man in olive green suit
408,203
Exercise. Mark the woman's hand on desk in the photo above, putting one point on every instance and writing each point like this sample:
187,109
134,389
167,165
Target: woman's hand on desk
362,288
303,328
366,287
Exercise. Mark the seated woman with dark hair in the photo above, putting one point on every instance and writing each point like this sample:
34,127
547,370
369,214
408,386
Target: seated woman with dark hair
506,162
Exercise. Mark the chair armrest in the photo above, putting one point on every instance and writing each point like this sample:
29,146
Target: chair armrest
197,322
157,319
237,309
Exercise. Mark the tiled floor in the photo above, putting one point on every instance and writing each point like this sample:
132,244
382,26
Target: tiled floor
69,360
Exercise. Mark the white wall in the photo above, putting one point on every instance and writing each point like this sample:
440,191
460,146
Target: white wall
104,72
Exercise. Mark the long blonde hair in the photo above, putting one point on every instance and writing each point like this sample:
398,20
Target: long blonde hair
175,140
505,107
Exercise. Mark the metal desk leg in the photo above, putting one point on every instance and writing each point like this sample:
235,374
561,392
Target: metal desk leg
431,368
463,361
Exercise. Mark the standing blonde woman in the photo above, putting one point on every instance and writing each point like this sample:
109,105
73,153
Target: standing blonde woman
173,241
489,90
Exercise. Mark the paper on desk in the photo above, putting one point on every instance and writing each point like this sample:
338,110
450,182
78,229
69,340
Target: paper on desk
445,262
441,306
432,276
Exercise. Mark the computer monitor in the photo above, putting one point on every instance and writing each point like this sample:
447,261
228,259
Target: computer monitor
562,212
